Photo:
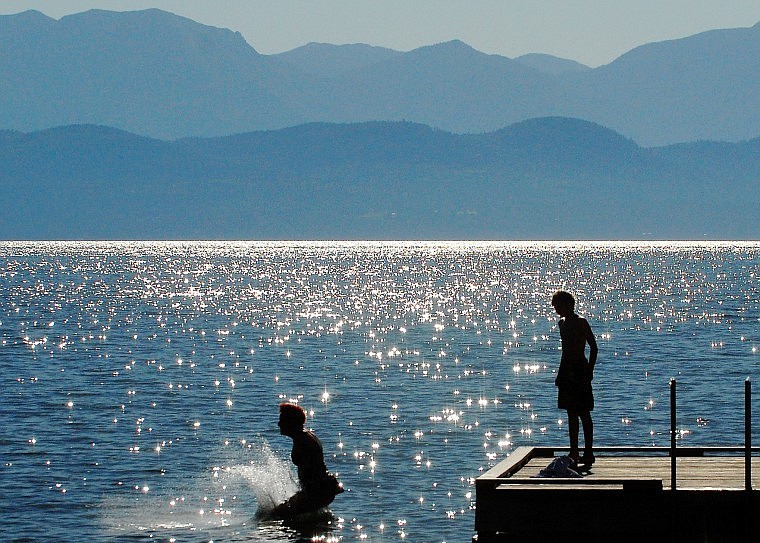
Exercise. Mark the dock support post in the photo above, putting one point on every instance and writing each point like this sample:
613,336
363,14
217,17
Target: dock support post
747,434
672,434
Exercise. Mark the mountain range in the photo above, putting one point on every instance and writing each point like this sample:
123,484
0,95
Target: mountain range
156,74
546,178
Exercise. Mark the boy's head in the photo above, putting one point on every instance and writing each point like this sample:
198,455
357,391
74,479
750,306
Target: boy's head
292,418
564,300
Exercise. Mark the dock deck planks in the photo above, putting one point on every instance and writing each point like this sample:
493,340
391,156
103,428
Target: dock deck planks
718,472
626,496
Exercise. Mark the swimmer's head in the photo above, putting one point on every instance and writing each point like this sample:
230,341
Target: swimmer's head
292,418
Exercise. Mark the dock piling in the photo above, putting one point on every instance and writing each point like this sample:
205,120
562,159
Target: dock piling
672,434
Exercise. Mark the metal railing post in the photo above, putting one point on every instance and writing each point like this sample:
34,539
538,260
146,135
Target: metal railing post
672,434
747,434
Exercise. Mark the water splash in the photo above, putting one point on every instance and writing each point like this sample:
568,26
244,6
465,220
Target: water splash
223,496
266,475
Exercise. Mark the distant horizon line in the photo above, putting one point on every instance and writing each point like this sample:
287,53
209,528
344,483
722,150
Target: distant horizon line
419,242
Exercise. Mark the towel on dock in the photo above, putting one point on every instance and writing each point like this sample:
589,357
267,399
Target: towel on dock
562,466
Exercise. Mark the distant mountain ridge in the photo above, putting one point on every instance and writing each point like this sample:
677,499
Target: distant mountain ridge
157,74
550,64
150,72
327,59
548,178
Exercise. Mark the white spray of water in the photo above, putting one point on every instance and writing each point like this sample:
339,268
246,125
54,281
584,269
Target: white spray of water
220,497
269,477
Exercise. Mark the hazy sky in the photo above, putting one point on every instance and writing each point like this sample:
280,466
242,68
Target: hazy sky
590,31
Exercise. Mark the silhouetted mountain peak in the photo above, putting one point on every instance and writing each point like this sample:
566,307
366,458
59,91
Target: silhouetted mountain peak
455,60
162,27
551,65
24,22
694,49
89,131
453,44
558,132
29,16
329,59
453,48
147,17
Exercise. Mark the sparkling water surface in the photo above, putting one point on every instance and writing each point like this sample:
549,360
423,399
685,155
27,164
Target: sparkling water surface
139,382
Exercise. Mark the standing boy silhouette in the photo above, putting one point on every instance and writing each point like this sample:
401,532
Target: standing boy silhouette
575,374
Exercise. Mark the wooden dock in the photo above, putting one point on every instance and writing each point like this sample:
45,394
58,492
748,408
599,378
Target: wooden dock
630,494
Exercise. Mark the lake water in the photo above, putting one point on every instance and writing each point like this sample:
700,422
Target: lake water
140,381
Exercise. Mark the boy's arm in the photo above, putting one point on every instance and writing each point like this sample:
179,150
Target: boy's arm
593,348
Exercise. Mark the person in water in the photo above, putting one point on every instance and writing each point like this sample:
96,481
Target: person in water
575,374
318,487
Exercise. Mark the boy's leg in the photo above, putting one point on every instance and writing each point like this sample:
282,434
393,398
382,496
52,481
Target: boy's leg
295,505
588,435
573,429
